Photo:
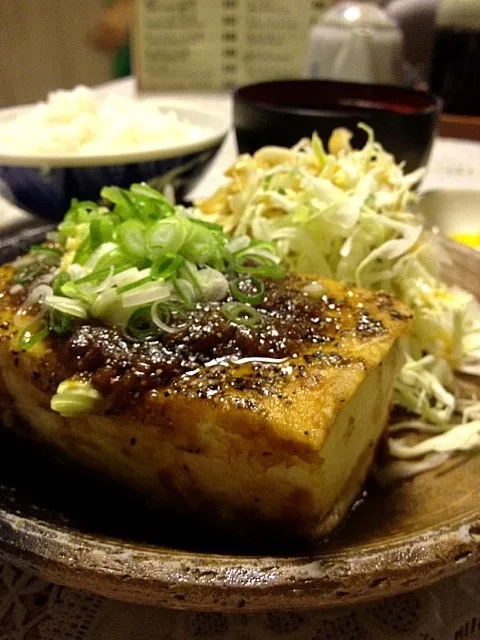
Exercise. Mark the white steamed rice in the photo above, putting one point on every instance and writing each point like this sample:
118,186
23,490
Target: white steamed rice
78,122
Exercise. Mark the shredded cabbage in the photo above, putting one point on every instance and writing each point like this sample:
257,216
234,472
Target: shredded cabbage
350,215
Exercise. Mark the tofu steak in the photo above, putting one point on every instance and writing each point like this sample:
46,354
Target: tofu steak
264,428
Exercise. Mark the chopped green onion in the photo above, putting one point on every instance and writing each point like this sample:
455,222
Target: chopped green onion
248,290
48,251
59,281
66,230
140,324
143,209
117,196
163,315
263,245
141,202
189,272
185,291
212,226
167,235
27,274
144,257
238,244
74,308
101,274
101,231
133,285
102,251
81,211
131,238
108,308
95,276
167,266
114,258
83,251
200,245
240,313
143,189
130,275
60,322
75,398
32,333
213,284
148,293
258,265
70,290
219,262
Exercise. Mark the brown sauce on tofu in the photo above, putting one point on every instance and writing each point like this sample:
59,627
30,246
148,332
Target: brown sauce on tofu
297,330
294,325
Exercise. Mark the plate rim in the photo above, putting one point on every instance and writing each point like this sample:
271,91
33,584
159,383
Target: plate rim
160,576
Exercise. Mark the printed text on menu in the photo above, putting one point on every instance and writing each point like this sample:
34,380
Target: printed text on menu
219,44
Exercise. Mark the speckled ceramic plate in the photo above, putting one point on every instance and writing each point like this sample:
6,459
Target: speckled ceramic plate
69,529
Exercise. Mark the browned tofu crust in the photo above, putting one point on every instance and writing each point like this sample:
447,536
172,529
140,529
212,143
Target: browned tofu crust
264,428
305,346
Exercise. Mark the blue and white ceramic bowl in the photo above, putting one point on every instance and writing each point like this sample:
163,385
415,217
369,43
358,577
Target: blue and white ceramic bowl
45,183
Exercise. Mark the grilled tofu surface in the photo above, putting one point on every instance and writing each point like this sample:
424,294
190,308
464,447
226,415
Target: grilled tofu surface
248,427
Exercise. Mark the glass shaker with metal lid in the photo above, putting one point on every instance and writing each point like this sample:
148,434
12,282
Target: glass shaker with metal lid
357,42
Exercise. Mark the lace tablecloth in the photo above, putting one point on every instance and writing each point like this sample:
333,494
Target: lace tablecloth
31,609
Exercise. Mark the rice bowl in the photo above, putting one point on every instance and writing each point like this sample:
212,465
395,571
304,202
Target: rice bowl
44,182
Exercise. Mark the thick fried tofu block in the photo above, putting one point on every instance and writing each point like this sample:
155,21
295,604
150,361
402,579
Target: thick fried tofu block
251,428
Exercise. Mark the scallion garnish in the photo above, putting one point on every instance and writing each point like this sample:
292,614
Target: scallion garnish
59,281
70,290
32,333
83,252
47,251
101,274
140,324
212,226
248,290
167,266
101,230
166,317
184,292
258,265
27,274
75,397
143,265
74,308
189,273
241,313
30,267
60,323
166,236
133,285
95,276
131,238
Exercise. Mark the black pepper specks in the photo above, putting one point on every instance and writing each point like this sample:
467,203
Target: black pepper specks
368,326
218,361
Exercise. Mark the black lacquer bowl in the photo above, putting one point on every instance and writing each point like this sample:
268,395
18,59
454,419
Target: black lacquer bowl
281,112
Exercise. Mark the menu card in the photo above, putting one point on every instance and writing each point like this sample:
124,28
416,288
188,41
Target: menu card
219,44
